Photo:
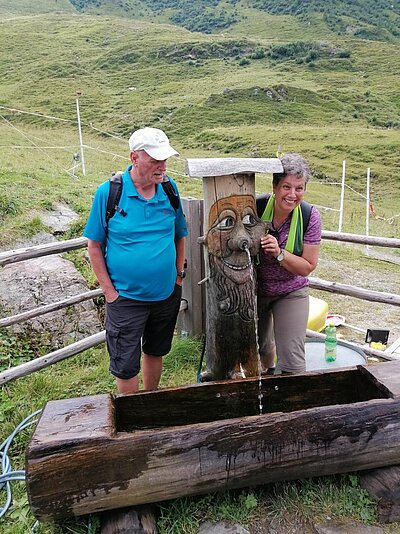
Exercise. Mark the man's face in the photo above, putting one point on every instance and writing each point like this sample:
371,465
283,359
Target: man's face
148,169
234,227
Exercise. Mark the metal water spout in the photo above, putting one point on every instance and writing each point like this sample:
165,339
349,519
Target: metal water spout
243,243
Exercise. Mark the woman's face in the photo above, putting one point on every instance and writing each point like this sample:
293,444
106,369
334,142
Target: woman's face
289,193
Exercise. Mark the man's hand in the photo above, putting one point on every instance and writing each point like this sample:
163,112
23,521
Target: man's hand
111,296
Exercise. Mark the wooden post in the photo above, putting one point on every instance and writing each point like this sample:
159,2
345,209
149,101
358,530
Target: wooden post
383,485
191,321
139,520
232,237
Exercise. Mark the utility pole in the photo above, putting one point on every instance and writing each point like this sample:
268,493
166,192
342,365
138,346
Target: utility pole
342,197
78,94
367,208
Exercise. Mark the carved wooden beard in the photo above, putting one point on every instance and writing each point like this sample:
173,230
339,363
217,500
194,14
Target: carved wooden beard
233,298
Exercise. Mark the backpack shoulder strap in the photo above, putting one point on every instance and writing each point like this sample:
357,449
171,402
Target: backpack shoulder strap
261,203
306,214
172,195
114,195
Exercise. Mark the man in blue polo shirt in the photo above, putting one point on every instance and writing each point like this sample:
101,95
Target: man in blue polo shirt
141,270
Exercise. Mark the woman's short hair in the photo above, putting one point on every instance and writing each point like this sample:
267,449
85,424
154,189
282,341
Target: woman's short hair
293,164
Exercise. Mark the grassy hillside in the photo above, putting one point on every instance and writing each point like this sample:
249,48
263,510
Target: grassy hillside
241,93
268,80
11,8
368,19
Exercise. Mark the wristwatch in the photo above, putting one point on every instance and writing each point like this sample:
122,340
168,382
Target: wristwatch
280,257
181,274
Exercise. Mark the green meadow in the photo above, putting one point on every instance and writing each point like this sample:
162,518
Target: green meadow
238,78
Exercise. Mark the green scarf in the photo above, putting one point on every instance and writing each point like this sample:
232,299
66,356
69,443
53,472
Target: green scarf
294,241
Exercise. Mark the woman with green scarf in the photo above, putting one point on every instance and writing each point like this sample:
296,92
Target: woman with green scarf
288,254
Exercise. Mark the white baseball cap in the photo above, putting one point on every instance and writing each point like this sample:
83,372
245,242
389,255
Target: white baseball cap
154,142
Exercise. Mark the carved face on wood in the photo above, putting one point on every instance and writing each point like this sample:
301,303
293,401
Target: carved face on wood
234,228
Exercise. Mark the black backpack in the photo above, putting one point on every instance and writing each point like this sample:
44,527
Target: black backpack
115,194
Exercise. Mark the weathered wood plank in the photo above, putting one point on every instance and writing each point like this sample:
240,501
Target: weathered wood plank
389,375
192,321
139,520
383,484
204,167
353,291
239,398
80,418
21,254
79,462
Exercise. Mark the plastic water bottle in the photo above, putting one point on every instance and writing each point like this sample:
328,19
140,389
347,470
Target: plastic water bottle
330,343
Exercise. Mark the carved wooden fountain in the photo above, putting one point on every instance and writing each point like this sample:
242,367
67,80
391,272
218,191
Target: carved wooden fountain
232,238
104,452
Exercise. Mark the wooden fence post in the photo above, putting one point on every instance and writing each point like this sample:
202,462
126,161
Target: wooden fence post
191,320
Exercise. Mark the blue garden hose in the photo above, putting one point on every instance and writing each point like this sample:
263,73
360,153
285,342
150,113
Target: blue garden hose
7,474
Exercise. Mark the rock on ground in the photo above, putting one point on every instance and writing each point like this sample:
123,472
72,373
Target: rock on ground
222,527
60,219
33,283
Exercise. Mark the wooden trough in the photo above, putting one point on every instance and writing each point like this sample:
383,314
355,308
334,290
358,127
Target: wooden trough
101,452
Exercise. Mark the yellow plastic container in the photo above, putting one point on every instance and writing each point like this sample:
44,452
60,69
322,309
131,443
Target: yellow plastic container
317,314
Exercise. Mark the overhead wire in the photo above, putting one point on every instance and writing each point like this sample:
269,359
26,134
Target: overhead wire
41,148
34,144
14,110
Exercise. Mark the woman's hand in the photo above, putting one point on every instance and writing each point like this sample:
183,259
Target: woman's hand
270,245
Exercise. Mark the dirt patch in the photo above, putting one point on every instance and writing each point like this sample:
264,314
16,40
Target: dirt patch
372,268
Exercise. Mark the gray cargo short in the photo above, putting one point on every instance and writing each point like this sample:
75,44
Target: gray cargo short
133,326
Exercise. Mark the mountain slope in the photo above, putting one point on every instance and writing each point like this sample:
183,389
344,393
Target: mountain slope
268,80
366,19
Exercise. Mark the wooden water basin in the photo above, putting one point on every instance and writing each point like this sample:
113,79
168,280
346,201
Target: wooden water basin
101,452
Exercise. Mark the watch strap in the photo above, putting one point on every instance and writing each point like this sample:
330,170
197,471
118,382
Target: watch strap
280,257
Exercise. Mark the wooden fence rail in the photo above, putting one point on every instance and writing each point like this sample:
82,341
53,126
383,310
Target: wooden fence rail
353,291
53,357
21,254
41,310
192,321
37,251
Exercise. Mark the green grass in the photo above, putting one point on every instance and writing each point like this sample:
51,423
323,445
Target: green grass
209,93
306,500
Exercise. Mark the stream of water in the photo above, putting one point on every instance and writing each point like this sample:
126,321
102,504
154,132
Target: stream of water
254,289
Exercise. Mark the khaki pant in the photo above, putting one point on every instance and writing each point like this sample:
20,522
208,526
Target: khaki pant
282,324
